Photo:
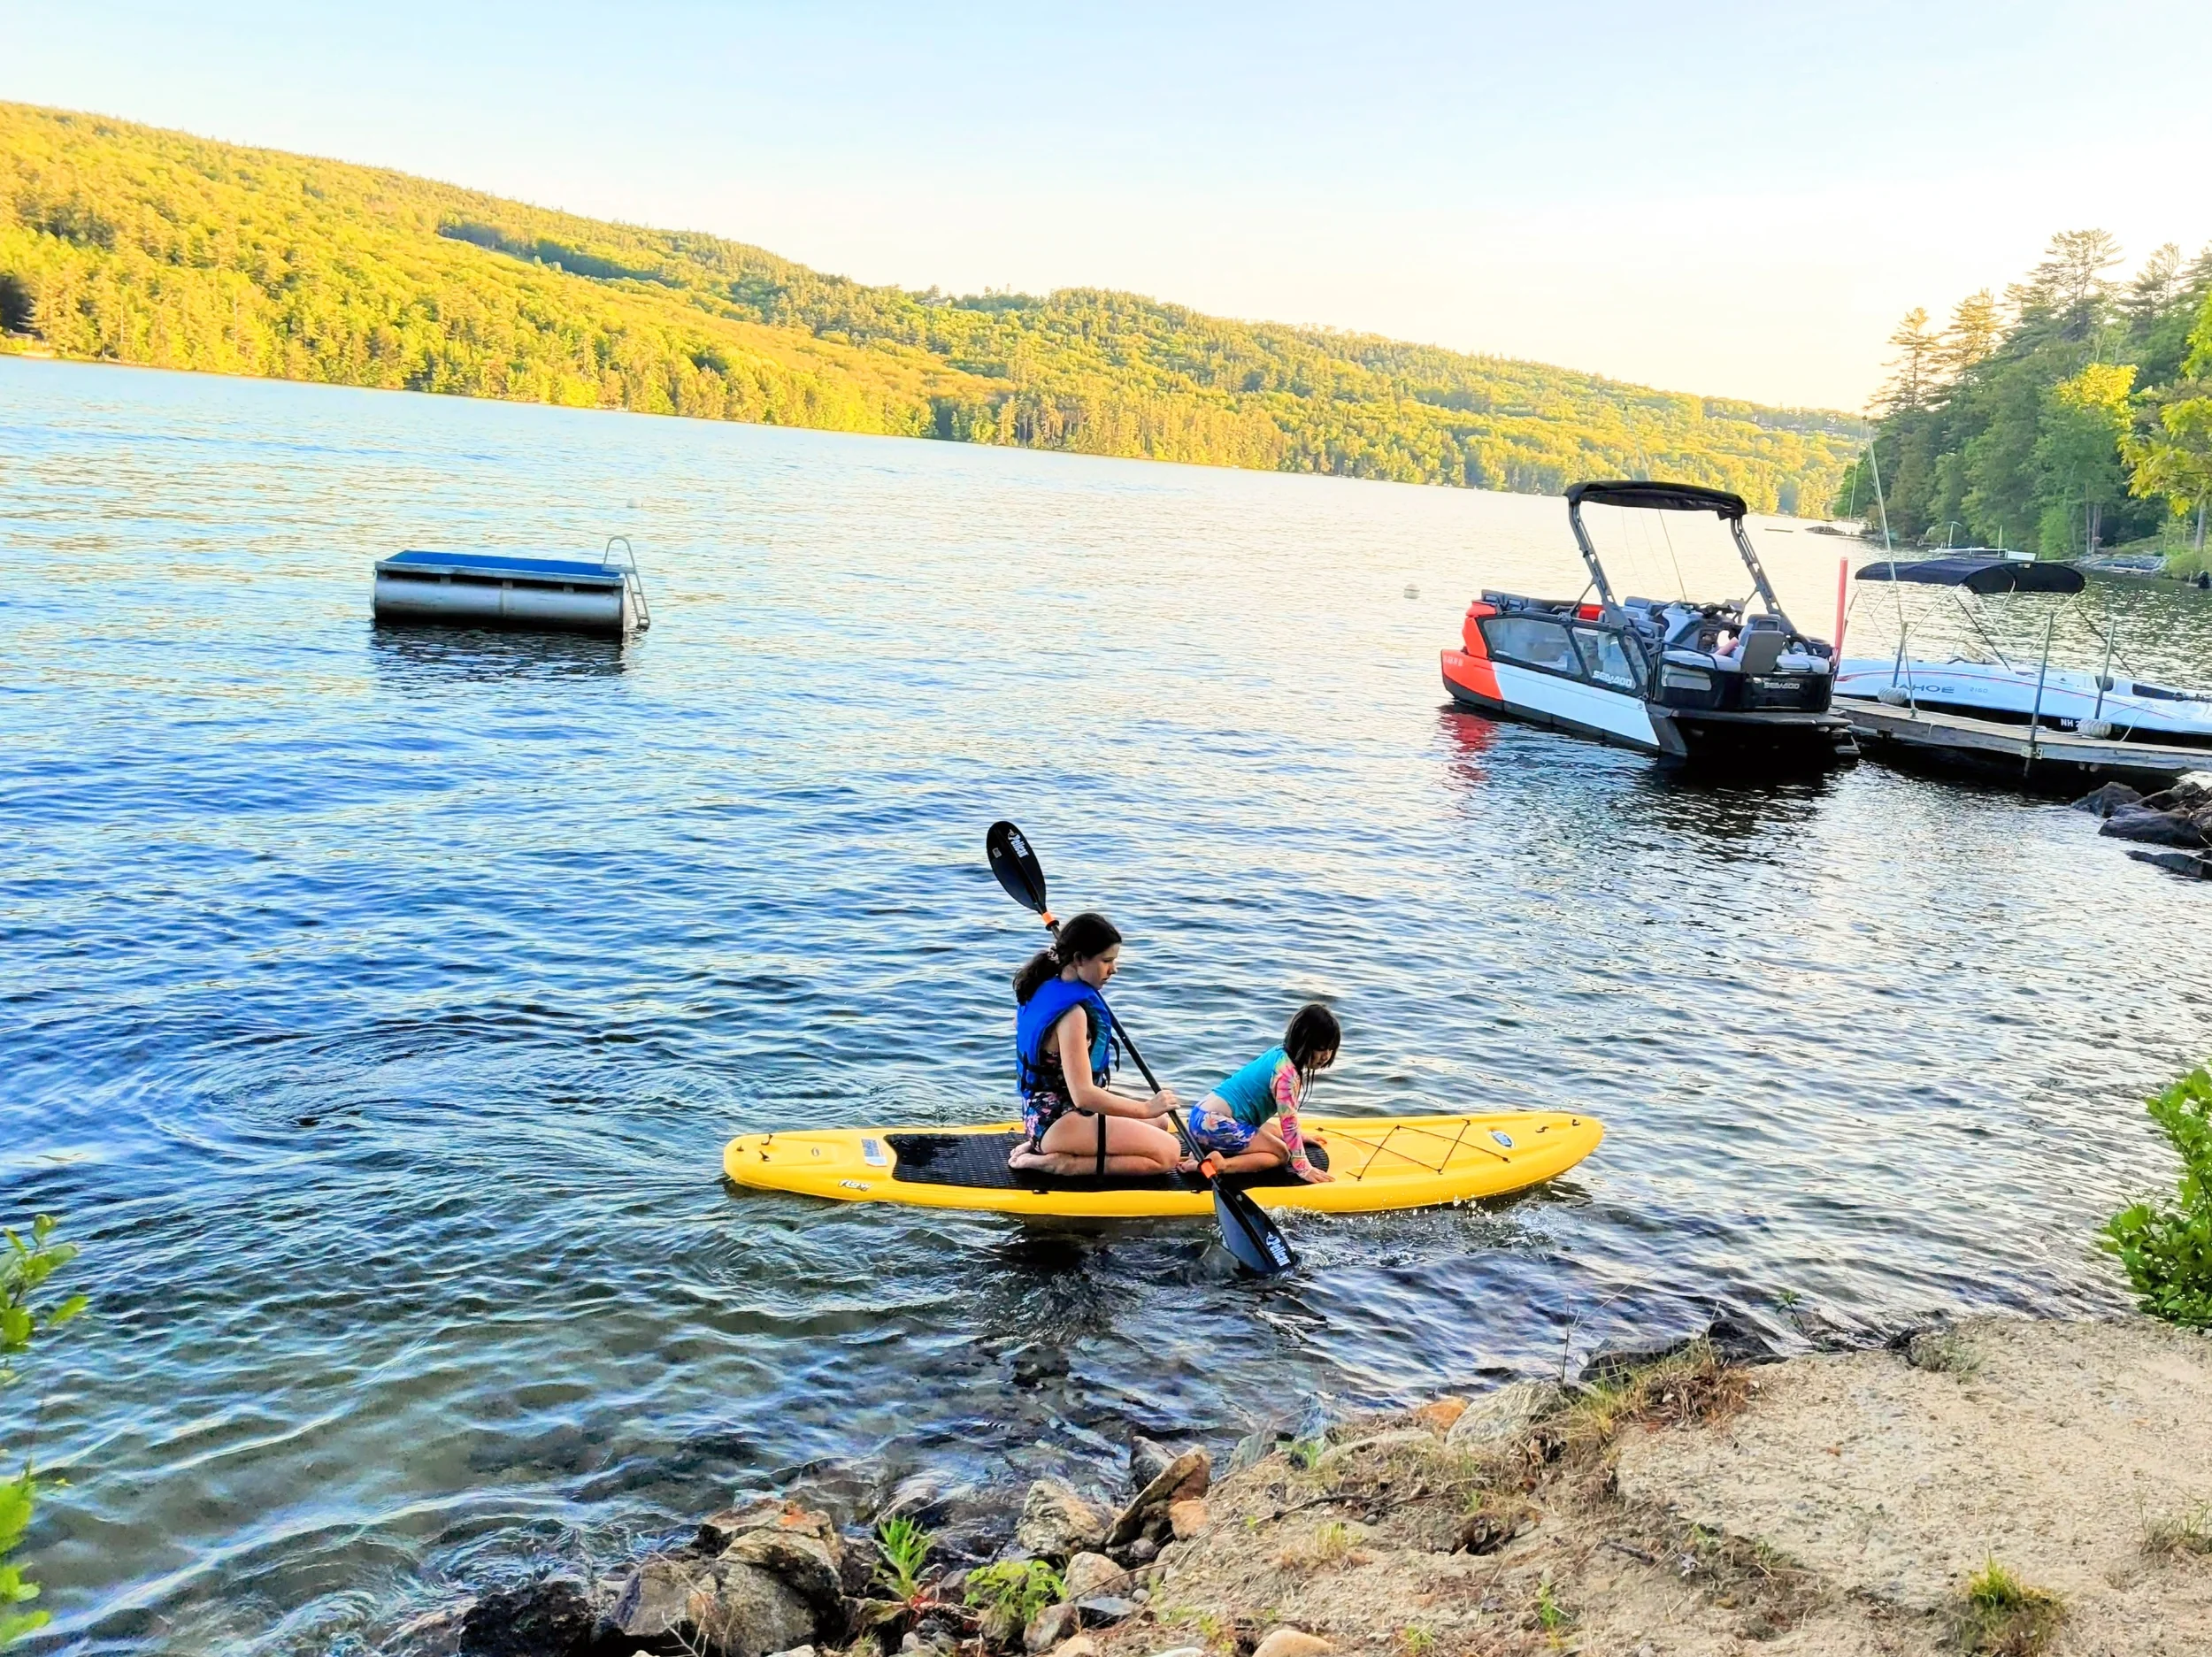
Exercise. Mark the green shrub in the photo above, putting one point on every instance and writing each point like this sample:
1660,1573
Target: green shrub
1015,1589
904,1546
2167,1249
24,1270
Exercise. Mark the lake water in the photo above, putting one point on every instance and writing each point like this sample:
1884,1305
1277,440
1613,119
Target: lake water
377,1005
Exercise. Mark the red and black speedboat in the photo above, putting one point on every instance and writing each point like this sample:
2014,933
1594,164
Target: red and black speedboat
1684,680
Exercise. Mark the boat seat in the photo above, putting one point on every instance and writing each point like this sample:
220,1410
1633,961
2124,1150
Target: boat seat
1760,650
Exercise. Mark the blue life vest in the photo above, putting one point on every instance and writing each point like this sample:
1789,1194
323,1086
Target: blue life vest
1250,1093
1044,1010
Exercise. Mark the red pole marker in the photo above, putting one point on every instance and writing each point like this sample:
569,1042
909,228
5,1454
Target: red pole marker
1843,583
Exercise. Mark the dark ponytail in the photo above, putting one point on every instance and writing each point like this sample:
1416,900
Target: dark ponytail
1313,1031
1080,938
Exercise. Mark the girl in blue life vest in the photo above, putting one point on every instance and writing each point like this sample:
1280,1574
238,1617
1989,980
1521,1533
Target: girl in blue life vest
1250,1121
1063,1050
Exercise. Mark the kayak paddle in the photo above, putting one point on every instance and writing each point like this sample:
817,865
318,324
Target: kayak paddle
1247,1232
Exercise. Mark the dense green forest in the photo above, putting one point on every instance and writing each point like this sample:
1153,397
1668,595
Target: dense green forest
130,244
2076,412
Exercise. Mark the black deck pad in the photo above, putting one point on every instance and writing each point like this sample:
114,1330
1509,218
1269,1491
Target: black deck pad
979,1161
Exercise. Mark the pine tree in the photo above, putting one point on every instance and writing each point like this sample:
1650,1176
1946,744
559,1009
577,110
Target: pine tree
2070,287
1914,364
2156,286
2196,281
1977,326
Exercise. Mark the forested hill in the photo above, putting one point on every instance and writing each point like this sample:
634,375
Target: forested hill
130,244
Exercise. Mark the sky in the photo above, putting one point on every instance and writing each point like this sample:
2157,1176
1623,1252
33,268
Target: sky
1733,199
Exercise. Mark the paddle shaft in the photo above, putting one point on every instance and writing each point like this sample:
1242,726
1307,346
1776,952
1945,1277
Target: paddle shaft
1182,1130
1266,1250
1207,1171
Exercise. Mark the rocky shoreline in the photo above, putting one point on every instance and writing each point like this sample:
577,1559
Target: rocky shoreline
1678,1504
2176,821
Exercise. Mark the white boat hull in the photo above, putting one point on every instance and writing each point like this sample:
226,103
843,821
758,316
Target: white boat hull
2070,700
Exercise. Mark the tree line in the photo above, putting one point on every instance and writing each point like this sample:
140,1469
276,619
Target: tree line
2074,412
129,244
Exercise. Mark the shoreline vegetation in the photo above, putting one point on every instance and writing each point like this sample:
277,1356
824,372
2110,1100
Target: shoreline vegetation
2072,416
128,244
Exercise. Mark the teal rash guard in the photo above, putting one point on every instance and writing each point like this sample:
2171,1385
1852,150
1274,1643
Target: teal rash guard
1250,1092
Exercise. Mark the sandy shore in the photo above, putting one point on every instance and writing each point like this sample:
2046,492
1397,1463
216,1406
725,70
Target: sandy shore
1831,1504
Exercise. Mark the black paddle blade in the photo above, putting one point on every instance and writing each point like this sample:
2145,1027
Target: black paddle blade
1016,865
1248,1233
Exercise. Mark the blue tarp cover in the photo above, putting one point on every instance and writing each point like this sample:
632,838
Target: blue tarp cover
493,564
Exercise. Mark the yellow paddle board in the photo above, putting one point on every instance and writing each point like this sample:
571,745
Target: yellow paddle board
1378,1162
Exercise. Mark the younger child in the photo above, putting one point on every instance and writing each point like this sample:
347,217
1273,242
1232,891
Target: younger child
1250,1121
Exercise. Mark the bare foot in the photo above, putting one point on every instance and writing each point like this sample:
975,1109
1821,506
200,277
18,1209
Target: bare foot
1026,1160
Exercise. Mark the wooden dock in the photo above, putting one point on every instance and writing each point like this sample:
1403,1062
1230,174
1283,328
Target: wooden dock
2015,753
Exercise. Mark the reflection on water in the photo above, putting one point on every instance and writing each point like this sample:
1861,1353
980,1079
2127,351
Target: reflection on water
379,1003
1695,805
408,654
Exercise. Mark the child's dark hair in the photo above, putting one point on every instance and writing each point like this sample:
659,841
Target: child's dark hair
1080,938
1313,1031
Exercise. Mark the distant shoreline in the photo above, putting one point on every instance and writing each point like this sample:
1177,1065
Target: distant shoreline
132,245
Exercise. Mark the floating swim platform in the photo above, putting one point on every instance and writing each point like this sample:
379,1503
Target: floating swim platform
1379,1162
474,589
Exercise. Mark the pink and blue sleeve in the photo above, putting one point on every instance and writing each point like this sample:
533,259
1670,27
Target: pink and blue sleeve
1287,1112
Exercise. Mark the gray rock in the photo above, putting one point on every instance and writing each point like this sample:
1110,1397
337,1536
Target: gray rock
1089,1574
796,1651
1057,1523
1143,1551
1101,1609
1502,1415
715,1534
656,1600
2184,793
722,1608
1148,1459
1253,1448
2106,800
2154,828
918,1496
1048,1628
546,1619
2192,865
802,1563
1188,1474
1381,1444
755,1614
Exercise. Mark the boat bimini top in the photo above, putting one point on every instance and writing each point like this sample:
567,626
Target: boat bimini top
1668,497
1980,575
1687,627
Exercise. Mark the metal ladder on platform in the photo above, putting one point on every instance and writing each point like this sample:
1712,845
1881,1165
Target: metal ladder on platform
631,581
